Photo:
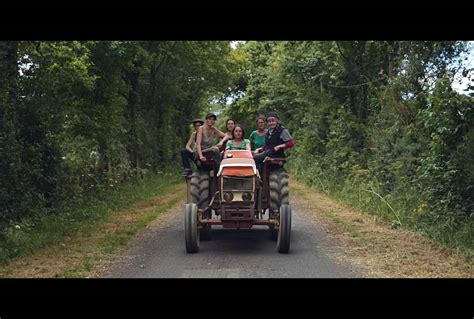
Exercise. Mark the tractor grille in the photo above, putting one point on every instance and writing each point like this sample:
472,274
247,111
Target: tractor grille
238,183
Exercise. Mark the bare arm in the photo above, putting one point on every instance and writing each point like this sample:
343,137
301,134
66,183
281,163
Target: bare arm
190,142
288,144
219,132
198,144
224,137
286,137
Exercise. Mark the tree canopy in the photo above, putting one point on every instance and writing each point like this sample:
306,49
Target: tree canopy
379,117
76,115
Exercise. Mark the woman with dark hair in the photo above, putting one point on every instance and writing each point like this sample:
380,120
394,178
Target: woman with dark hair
238,142
229,127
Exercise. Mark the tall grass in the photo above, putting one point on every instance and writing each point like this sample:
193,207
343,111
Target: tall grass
403,206
51,227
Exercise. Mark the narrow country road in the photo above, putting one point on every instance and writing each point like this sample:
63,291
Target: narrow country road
160,253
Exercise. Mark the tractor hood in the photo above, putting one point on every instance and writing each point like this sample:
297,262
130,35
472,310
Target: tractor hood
237,167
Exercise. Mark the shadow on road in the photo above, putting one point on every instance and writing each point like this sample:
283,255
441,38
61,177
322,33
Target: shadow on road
235,241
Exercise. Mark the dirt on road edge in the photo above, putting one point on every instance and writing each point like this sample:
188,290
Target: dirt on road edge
374,246
359,238
82,253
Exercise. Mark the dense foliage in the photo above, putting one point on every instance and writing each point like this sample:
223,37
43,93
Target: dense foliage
78,116
376,124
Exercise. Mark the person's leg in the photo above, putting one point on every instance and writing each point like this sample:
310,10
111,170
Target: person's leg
260,157
259,161
216,155
186,157
213,153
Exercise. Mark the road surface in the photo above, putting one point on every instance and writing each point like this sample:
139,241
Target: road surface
159,252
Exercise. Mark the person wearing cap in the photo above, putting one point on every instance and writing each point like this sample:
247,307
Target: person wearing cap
277,139
187,153
208,144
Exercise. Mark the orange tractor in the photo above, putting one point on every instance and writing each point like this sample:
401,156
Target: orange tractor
238,197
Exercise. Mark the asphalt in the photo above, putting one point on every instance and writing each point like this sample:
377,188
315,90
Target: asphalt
160,252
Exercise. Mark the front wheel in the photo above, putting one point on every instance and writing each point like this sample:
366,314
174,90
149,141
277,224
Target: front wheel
283,241
191,234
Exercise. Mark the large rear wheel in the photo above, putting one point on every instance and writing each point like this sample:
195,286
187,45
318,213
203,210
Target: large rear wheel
279,195
191,233
200,196
279,189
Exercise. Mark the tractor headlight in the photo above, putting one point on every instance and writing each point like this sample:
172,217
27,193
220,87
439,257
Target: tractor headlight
228,196
246,196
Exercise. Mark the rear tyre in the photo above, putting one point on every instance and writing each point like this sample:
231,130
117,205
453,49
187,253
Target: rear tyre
274,186
284,188
279,195
283,242
279,189
191,233
199,190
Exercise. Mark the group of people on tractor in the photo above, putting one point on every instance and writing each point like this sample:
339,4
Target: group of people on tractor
207,142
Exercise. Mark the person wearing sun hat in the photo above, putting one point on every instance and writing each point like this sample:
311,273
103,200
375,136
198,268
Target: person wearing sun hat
198,121
187,153
277,139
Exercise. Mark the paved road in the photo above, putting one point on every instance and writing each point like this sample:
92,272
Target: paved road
160,253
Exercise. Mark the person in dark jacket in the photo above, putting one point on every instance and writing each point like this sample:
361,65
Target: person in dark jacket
277,139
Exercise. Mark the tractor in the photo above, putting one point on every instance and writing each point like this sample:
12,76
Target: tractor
237,197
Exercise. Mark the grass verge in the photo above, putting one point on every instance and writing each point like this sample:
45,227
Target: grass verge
70,243
402,208
371,243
